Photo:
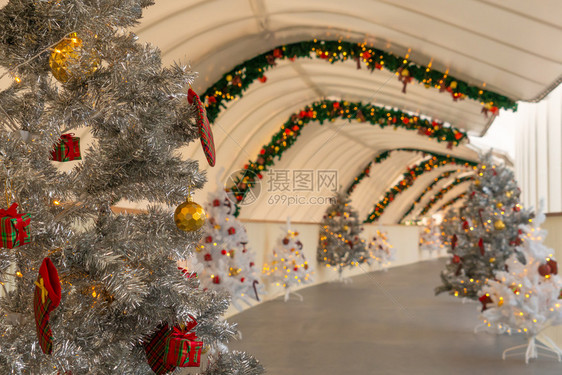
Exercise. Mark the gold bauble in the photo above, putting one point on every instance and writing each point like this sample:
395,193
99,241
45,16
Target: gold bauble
233,271
499,205
345,227
189,216
499,225
69,52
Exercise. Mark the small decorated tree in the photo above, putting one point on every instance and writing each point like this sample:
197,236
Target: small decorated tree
381,250
288,266
227,261
525,298
339,243
484,232
430,238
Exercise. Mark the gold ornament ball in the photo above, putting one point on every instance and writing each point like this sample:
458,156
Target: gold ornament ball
499,225
499,205
345,227
69,52
189,216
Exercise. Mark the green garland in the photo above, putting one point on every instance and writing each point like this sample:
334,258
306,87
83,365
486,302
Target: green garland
408,180
329,110
453,201
383,156
427,189
442,192
233,84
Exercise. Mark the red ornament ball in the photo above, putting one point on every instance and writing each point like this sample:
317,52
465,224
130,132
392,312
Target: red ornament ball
208,239
216,280
295,269
285,241
456,259
544,270
231,231
208,257
242,279
223,252
251,264
216,203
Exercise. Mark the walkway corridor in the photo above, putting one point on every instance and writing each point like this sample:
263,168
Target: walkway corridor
381,323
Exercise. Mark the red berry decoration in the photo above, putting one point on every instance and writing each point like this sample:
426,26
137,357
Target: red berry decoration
263,79
544,269
223,252
216,203
208,257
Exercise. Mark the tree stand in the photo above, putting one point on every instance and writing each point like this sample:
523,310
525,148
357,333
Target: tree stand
288,294
531,352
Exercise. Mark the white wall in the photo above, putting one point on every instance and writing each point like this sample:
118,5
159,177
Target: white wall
263,235
538,154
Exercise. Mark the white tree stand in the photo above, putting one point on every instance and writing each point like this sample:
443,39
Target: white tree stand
289,293
531,352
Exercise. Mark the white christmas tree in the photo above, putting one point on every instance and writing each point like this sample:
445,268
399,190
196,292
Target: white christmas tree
381,250
525,298
430,238
228,262
287,266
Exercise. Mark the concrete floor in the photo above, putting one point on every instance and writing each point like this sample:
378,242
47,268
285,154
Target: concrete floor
381,323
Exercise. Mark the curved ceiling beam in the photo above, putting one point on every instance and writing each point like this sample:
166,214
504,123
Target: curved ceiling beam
234,83
452,201
408,180
329,110
437,179
385,154
437,197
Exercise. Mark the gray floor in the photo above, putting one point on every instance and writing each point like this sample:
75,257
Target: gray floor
381,323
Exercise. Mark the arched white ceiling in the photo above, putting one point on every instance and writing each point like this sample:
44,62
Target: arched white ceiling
508,46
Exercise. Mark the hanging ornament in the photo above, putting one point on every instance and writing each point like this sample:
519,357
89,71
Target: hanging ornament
189,216
205,131
481,246
231,231
285,241
544,270
233,271
456,259
67,149
485,300
499,225
216,203
553,266
69,60
46,298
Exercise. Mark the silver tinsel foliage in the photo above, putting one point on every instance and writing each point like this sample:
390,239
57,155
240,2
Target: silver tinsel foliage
138,114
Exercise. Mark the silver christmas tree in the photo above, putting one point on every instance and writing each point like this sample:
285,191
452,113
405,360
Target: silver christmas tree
339,243
74,65
484,232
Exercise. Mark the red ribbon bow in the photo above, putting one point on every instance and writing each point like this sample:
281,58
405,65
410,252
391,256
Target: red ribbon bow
179,333
70,145
20,223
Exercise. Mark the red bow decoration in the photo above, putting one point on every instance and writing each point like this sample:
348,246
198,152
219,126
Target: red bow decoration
20,224
186,333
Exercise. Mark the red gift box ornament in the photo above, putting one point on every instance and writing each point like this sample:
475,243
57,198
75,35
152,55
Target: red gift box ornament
182,349
205,132
14,227
231,230
68,148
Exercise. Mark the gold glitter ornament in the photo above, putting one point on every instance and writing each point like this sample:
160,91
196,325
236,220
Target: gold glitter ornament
69,52
233,271
499,225
189,216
